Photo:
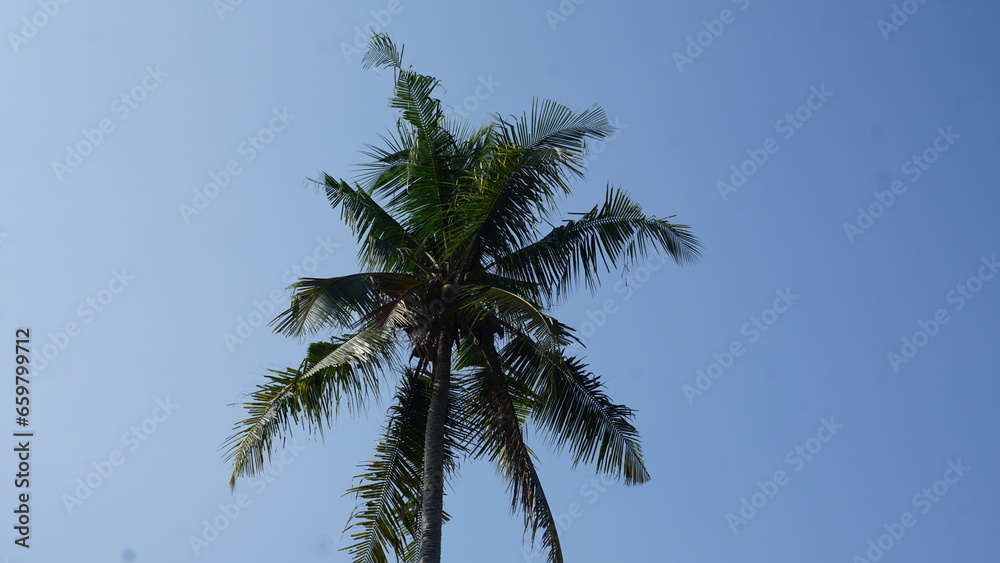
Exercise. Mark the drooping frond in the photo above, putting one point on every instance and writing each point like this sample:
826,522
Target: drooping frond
339,302
345,370
531,291
575,413
496,417
478,303
543,519
613,235
390,490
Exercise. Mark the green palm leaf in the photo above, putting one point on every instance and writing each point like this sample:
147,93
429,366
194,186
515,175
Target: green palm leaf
613,235
576,414
530,164
389,493
478,303
390,490
497,413
385,244
340,302
344,370
431,177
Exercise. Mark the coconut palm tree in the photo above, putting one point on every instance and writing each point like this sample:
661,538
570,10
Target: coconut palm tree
452,309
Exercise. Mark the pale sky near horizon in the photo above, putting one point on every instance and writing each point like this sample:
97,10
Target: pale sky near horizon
820,388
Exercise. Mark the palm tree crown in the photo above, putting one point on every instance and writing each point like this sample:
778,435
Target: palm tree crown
452,310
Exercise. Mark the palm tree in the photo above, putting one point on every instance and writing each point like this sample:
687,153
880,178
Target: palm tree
452,307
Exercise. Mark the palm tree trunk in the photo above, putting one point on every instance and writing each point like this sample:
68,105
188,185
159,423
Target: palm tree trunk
433,498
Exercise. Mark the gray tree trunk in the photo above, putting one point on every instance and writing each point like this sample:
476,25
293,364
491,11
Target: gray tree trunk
433,498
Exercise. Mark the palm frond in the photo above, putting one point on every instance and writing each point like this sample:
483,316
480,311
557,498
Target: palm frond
345,370
382,52
385,244
531,291
551,125
528,166
390,489
575,413
478,303
497,422
509,194
338,302
612,235
388,171
426,194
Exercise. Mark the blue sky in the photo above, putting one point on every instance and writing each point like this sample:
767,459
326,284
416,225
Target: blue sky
821,387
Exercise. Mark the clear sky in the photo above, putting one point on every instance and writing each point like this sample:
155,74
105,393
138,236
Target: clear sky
826,377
